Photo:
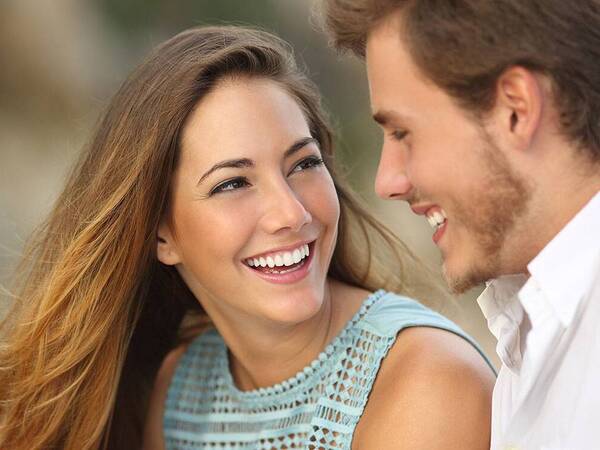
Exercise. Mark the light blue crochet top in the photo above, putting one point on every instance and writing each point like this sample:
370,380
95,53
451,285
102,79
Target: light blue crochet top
318,408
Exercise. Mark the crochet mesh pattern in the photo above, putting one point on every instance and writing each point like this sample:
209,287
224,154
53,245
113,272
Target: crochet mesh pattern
317,409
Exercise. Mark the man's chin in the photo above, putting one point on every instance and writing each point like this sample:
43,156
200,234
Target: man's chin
461,281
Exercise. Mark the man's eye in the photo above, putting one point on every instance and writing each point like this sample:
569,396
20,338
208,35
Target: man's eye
308,163
230,185
398,135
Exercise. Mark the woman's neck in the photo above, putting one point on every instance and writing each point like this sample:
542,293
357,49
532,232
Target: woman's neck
267,360
263,355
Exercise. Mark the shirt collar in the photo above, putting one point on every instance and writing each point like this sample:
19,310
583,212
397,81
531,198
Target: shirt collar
499,295
500,306
564,269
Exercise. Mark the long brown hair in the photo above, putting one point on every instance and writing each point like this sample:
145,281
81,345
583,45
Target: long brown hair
95,312
464,46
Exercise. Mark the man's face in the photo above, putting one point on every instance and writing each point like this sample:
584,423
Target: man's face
444,164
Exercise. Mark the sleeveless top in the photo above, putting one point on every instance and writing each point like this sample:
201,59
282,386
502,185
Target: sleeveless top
316,409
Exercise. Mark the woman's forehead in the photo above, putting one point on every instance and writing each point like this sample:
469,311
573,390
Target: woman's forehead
247,113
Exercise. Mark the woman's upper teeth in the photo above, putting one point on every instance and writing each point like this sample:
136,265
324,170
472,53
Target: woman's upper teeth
280,259
436,218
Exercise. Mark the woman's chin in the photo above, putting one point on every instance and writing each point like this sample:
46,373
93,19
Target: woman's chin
294,308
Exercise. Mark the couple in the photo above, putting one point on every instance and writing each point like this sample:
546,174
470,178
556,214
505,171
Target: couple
207,280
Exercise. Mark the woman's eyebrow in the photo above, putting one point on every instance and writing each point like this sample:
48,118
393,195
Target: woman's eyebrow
246,162
230,163
299,144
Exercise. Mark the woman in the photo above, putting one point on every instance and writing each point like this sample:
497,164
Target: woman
208,199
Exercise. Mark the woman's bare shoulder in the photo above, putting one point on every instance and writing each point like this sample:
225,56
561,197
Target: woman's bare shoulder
433,391
153,430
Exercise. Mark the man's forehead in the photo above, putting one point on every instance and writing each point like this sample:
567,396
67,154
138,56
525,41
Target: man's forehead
390,26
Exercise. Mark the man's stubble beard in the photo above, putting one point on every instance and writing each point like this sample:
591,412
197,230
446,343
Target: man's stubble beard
490,215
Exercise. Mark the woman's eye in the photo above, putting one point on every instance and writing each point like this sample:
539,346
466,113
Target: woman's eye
230,185
307,163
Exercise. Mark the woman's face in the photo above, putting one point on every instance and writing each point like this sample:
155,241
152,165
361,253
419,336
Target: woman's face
249,198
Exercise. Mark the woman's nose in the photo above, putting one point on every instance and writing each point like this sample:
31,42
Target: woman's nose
285,210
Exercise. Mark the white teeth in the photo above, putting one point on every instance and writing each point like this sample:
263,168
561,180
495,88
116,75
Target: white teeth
436,218
280,259
287,259
430,221
296,256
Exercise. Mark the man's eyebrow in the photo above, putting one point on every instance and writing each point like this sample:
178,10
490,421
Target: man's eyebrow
384,117
246,162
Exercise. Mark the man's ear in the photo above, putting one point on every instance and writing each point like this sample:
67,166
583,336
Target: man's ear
166,250
519,106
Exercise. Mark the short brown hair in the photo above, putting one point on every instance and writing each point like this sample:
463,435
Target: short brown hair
464,45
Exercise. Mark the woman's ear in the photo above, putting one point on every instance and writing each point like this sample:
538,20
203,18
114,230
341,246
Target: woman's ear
519,106
166,250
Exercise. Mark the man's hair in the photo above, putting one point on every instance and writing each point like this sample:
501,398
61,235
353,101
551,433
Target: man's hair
463,46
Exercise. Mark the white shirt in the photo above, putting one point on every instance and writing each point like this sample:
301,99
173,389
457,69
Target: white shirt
547,395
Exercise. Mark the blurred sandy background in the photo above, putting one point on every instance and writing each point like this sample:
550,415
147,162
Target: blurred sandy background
62,60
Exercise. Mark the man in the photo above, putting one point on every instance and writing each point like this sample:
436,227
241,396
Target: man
491,117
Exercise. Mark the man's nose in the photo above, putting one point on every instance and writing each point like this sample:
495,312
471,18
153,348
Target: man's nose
392,182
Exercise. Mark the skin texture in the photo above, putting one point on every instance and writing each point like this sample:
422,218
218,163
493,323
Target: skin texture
497,179
433,391
285,327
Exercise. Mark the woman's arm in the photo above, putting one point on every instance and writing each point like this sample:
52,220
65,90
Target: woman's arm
153,431
433,391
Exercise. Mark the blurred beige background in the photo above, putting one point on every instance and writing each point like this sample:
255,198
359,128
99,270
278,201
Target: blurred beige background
62,60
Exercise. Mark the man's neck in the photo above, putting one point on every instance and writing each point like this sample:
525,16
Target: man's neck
562,185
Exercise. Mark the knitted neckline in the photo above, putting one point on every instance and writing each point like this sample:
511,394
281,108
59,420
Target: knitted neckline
306,377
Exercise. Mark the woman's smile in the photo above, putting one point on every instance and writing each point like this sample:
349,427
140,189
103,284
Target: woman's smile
283,266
